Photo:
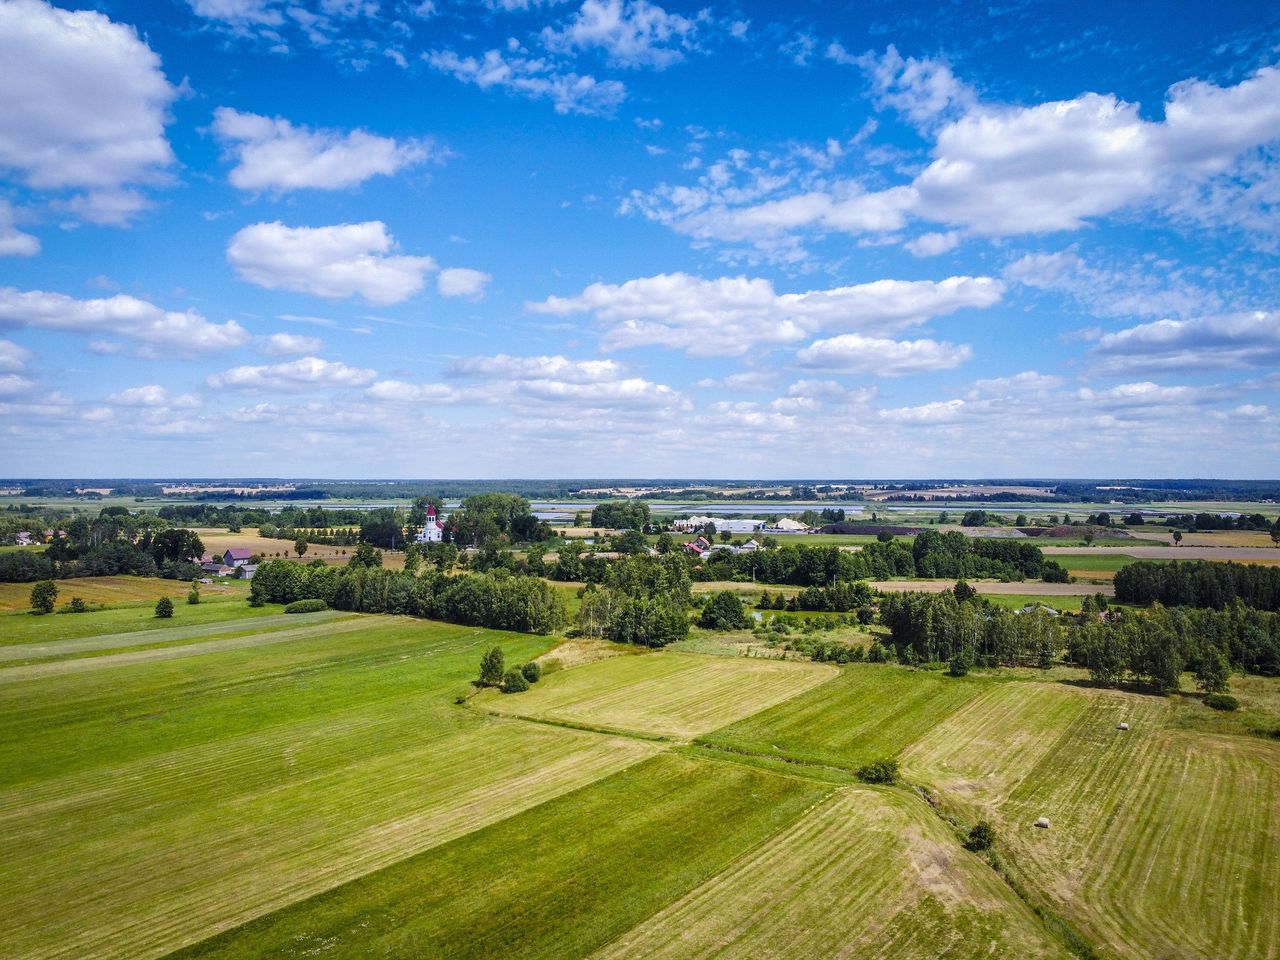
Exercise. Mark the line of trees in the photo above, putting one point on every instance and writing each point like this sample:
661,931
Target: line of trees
1199,583
498,600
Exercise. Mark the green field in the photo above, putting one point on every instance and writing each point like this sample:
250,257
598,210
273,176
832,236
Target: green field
240,783
1162,842
866,712
868,873
671,695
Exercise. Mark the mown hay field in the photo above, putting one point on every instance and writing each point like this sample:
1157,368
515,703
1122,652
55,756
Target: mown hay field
866,712
149,803
866,873
1162,842
554,883
115,590
671,695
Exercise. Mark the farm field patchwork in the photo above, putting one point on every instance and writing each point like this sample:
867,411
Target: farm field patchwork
558,881
867,712
1162,842
869,873
667,694
151,804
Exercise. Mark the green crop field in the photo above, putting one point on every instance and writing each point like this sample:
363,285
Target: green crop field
671,695
237,782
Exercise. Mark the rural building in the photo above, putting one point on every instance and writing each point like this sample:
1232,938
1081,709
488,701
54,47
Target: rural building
246,571
237,556
433,530
722,524
787,525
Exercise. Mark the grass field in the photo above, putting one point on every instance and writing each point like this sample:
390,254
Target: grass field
867,712
236,783
1162,842
149,804
667,694
116,590
868,873
556,882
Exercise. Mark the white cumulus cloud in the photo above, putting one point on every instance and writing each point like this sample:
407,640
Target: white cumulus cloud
536,79
292,345
274,154
853,353
730,316
84,108
462,282
156,331
334,262
632,33
304,374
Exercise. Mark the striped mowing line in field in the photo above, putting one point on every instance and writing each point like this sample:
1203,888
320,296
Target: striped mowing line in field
990,744
175,848
857,876
867,712
662,694
118,641
1162,842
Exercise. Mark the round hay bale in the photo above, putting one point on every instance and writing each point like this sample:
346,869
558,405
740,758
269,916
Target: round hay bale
1043,823
1122,726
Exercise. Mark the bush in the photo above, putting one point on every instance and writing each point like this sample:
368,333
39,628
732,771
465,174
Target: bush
532,671
514,682
43,596
724,612
164,608
959,666
1222,701
194,596
981,837
306,606
77,606
879,771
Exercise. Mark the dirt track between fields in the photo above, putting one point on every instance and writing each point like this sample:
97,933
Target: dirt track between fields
1240,554
1029,589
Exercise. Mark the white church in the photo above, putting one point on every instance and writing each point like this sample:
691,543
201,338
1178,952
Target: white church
433,530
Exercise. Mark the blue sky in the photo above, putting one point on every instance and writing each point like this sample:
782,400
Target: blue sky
381,238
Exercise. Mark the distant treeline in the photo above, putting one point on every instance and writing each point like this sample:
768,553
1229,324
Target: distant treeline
106,547
496,600
1199,583
931,554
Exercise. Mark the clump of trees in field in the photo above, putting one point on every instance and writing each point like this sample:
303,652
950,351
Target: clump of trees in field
498,600
643,600
1199,583
937,628
621,514
43,596
493,673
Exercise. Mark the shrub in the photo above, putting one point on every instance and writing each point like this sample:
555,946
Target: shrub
164,608
532,671
879,771
77,606
513,681
1222,701
877,653
959,666
981,837
724,612
306,606
43,596
491,667
194,596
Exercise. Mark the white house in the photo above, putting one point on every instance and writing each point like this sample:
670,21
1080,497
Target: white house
433,530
